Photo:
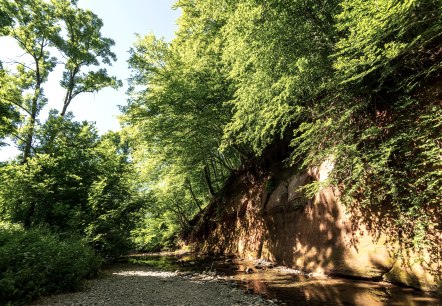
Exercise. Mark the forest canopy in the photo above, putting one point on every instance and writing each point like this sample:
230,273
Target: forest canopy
338,80
354,82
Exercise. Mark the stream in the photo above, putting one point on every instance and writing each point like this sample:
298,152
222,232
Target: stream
287,286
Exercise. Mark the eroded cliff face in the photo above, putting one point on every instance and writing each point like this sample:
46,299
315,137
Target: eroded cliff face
262,215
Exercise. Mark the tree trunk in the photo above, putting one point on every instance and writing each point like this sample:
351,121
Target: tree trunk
197,202
208,181
28,143
33,113
69,91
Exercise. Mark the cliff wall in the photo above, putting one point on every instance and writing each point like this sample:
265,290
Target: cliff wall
260,214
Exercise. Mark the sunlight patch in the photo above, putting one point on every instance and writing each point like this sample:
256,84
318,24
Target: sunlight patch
146,273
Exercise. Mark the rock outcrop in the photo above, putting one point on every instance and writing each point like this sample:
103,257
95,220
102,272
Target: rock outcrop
265,216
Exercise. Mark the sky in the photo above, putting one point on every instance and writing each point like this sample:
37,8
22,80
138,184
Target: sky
122,20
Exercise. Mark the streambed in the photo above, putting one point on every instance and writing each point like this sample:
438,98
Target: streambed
286,286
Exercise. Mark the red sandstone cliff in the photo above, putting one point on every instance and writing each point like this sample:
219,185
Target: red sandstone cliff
260,214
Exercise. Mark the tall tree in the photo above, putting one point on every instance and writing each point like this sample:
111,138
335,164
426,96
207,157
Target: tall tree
180,112
9,95
176,116
277,53
34,27
83,46
41,27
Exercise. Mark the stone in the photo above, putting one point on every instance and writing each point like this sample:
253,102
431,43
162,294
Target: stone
248,270
249,291
321,236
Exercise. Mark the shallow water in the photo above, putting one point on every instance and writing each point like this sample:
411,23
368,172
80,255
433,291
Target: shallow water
291,287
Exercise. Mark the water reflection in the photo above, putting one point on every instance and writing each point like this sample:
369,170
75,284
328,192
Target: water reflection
290,287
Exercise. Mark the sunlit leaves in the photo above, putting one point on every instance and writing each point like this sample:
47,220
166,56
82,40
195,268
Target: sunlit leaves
82,46
10,96
277,54
176,115
376,33
50,33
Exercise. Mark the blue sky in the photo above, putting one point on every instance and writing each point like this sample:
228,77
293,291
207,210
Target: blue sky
122,19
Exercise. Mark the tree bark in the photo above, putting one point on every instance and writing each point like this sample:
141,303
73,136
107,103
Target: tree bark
208,181
197,202
33,116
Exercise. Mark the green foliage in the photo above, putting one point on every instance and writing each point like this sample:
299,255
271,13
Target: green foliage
9,115
36,26
278,58
175,121
155,232
113,198
37,262
340,79
5,20
387,40
76,183
83,46
52,188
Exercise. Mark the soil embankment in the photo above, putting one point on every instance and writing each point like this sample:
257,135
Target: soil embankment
261,215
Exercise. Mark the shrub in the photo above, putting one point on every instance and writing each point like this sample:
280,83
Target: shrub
37,262
155,233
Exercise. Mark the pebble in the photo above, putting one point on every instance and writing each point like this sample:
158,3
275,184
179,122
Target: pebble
141,285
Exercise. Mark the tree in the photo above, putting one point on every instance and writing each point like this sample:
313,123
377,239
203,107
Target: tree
34,27
10,116
83,47
176,116
175,120
277,54
40,28
52,189
113,198
84,186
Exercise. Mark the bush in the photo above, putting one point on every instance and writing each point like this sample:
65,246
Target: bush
155,233
37,262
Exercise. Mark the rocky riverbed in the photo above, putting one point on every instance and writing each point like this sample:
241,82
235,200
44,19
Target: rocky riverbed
188,279
128,284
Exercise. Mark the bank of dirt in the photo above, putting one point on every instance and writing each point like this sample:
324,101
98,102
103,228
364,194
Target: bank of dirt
261,214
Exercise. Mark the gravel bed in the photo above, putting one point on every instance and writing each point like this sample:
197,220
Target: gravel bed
140,285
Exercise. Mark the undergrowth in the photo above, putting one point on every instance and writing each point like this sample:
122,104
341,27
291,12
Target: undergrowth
36,262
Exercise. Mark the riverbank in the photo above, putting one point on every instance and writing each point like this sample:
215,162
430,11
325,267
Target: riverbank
187,279
135,284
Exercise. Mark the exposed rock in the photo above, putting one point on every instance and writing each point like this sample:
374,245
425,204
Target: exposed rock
248,270
318,235
416,271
